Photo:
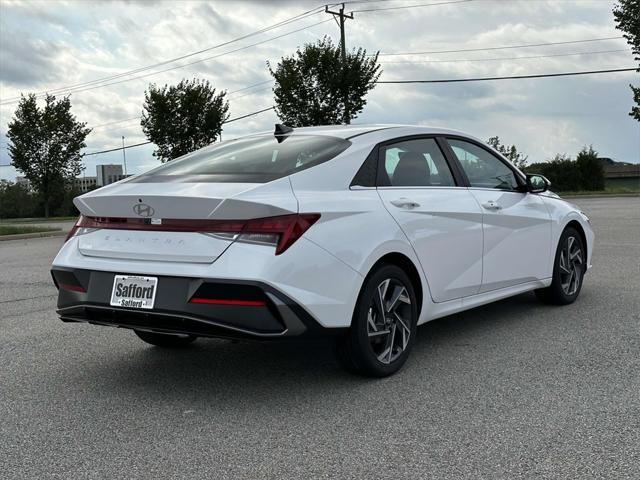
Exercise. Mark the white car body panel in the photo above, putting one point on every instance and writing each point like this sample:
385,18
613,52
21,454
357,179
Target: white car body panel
465,256
562,213
445,230
517,238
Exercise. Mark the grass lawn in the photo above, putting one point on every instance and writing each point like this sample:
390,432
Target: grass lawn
38,220
606,191
15,229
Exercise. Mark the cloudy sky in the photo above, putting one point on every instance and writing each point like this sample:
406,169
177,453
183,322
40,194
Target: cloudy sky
83,47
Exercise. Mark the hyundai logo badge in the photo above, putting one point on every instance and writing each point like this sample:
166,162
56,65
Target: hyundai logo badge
143,209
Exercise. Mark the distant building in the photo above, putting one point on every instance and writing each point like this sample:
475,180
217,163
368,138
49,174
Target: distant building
620,174
84,184
108,173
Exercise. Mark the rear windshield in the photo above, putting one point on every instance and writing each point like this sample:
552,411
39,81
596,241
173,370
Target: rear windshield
250,160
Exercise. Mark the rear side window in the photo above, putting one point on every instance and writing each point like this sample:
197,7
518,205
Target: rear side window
250,160
415,163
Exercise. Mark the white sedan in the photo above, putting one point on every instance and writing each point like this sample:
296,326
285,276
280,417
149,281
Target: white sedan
359,232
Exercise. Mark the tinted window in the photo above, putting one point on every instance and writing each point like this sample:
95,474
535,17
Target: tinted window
482,167
416,163
254,159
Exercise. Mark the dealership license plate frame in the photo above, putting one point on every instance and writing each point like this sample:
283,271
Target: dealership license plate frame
131,301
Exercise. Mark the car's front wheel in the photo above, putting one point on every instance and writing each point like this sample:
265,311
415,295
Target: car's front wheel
568,270
166,340
383,328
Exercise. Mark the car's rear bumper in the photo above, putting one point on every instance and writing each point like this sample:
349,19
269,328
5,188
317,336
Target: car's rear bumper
84,296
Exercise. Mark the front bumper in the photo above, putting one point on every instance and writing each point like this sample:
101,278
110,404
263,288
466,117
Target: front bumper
84,296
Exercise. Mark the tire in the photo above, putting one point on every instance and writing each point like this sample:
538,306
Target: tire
569,267
378,345
166,340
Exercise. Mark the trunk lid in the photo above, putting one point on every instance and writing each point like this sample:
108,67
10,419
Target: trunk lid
185,201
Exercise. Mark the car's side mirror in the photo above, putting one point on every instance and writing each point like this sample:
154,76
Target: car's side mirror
537,183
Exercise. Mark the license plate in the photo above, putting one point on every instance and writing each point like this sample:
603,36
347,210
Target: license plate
132,291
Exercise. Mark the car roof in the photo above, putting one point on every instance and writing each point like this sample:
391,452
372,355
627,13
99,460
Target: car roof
355,130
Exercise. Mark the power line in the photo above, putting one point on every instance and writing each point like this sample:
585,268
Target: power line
515,77
93,87
137,119
249,115
250,86
456,80
508,58
402,7
434,52
202,59
146,143
300,16
114,122
251,93
118,149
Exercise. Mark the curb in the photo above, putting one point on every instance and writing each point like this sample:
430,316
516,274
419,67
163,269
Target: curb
602,195
26,236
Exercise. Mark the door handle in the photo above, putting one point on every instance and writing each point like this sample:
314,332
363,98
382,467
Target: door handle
491,205
404,203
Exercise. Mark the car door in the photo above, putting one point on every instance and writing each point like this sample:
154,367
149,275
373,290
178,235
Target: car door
516,224
441,219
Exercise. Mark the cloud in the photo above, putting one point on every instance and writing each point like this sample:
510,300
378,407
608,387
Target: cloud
27,61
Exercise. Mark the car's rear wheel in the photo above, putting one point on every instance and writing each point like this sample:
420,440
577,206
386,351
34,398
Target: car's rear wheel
166,340
383,328
568,270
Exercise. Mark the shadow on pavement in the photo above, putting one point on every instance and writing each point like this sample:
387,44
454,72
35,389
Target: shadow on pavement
219,368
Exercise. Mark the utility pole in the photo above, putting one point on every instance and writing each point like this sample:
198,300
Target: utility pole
124,156
342,16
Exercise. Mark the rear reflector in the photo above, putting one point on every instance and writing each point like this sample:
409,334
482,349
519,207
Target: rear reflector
66,280
228,302
73,288
284,229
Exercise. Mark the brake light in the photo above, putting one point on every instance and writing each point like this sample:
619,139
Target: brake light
281,231
285,230
74,230
80,228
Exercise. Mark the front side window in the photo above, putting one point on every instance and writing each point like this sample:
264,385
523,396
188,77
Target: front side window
483,169
415,163
251,160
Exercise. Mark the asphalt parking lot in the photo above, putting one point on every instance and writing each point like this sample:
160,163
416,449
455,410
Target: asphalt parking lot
511,390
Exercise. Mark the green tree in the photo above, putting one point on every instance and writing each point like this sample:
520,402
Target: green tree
561,172
627,16
510,152
590,169
182,118
569,175
16,201
313,87
45,144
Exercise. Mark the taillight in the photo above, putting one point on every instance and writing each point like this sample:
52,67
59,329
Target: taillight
281,231
80,228
74,229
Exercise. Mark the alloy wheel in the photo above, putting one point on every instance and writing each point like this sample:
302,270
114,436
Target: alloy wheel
571,266
389,320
